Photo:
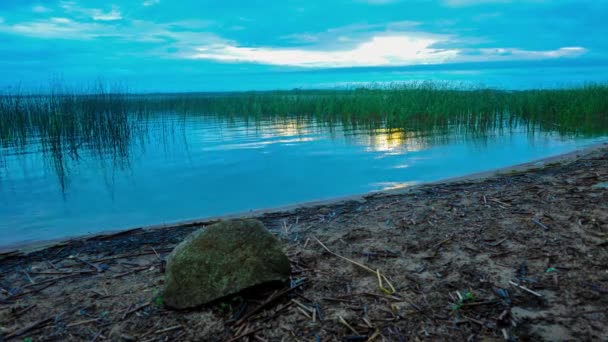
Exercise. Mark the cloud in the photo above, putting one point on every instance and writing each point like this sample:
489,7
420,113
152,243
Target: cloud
177,34
56,27
41,9
377,51
349,36
114,14
301,38
92,13
359,44
519,54
382,50
379,2
149,3
461,3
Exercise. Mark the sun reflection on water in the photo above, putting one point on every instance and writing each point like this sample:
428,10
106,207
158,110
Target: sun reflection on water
393,141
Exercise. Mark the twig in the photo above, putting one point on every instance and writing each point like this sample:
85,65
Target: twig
28,328
525,288
82,322
163,331
500,202
62,273
55,279
347,325
19,295
247,333
127,256
96,336
29,278
97,268
374,335
303,312
496,244
137,308
143,268
540,224
380,276
24,310
437,247
267,302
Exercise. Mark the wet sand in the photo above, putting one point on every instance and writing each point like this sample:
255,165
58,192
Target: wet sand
522,254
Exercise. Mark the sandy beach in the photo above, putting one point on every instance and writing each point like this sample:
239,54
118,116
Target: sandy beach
519,254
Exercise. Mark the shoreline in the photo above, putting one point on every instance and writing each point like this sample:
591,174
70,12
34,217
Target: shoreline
520,255
26,247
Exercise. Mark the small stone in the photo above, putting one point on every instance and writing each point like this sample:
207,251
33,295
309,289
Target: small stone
324,211
222,259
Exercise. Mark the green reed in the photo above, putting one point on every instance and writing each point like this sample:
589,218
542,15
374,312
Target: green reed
63,123
581,110
107,121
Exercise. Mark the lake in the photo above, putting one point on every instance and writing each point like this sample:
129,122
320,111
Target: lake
180,167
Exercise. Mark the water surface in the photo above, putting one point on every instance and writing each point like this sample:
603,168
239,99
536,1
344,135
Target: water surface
183,168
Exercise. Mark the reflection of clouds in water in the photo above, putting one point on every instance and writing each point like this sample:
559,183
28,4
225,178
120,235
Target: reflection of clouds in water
259,144
286,128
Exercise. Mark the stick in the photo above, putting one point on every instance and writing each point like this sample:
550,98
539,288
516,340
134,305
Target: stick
19,295
97,336
97,268
525,289
82,322
157,255
162,331
347,325
28,328
304,313
375,272
29,278
540,224
143,268
134,310
267,302
127,256
236,338
24,310
55,279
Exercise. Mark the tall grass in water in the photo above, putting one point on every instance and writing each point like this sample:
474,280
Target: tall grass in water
62,123
107,122
582,110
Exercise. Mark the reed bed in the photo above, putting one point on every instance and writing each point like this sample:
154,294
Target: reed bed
107,121
423,105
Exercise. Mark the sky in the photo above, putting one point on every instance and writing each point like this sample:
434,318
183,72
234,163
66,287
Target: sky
162,45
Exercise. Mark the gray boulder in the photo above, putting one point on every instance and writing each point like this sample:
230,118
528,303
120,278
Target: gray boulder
220,260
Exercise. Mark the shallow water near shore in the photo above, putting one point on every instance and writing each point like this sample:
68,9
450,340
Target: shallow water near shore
187,168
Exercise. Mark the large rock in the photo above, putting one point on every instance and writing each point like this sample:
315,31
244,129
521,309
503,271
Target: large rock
223,259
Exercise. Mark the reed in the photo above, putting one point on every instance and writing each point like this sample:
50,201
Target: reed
582,110
107,121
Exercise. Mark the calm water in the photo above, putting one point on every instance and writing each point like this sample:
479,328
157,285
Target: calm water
207,166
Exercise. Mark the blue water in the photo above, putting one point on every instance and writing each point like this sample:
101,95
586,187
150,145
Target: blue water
205,166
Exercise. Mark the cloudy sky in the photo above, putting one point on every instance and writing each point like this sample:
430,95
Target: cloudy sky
202,44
